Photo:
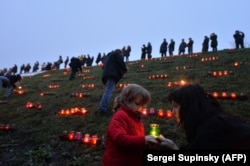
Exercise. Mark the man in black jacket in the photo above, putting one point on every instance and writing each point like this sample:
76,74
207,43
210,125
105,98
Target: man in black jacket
75,65
113,70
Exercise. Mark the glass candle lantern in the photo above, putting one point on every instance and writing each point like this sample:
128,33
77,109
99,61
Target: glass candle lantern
154,130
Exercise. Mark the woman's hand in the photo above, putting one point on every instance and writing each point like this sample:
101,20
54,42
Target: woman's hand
166,143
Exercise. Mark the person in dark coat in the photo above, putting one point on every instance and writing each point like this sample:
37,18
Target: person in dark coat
113,70
66,62
171,47
239,39
182,47
163,48
190,46
149,50
206,124
205,44
214,42
9,82
143,52
75,65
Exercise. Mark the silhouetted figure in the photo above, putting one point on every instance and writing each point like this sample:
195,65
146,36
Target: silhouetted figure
99,58
205,44
75,65
127,53
59,62
143,52
66,62
214,42
22,68
27,68
35,66
14,69
163,48
239,39
171,47
149,50
190,46
182,47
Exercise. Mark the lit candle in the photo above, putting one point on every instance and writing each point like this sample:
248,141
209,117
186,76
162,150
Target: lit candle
86,139
160,113
169,114
71,136
154,130
224,95
94,140
233,96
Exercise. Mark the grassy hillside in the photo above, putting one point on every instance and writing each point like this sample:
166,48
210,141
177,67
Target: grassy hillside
35,140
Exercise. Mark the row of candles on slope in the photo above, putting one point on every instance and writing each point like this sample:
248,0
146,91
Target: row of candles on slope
160,112
78,136
7,127
225,95
220,73
72,111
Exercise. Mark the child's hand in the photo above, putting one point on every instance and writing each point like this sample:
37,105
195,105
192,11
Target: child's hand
151,142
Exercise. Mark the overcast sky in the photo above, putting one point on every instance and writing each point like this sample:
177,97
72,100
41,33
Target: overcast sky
41,30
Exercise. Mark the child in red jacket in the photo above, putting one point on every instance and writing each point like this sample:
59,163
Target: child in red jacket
125,137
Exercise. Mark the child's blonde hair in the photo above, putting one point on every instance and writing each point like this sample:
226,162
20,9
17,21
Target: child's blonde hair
129,94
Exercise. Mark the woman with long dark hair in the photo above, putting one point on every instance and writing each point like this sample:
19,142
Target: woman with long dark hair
206,124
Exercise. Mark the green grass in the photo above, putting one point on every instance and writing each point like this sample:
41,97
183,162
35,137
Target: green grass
36,138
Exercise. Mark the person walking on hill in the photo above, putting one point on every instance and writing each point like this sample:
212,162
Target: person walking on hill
163,48
239,39
214,42
113,70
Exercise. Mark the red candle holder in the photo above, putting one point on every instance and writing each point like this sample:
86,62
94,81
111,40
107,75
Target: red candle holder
169,114
95,140
160,113
86,139
71,136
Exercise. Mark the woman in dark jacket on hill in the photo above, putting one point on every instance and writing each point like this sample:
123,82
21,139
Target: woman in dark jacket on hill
205,123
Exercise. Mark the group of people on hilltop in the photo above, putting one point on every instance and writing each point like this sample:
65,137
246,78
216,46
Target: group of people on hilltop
170,47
